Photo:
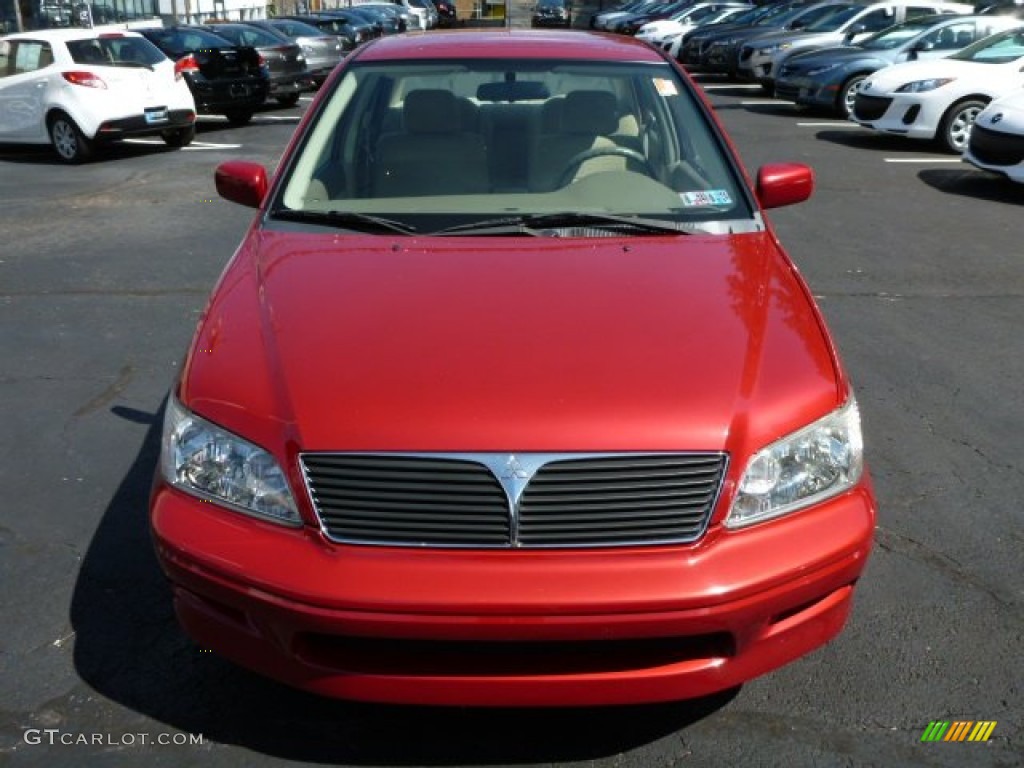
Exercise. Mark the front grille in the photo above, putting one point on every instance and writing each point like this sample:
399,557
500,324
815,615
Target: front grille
504,500
995,147
745,53
870,107
458,658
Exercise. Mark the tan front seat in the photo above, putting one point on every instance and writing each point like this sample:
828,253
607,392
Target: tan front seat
588,119
432,155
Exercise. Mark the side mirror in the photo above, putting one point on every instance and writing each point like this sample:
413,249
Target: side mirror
241,182
780,184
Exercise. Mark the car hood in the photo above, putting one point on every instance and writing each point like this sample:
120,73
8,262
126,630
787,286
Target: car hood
838,55
892,77
326,342
1005,114
796,38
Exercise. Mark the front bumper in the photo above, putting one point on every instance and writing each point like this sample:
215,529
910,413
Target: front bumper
903,115
516,627
806,91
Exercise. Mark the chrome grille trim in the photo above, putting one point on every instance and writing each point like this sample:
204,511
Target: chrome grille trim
523,500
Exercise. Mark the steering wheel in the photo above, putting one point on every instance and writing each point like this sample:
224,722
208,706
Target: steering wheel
589,154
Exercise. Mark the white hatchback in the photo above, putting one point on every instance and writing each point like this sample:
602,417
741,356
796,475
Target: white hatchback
940,98
78,88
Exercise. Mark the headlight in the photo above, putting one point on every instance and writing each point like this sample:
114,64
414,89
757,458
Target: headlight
768,50
920,86
806,467
823,69
210,462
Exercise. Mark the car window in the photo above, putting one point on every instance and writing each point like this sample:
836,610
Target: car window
877,20
951,37
114,50
20,56
997,49
253,36
895,36
920,11
530,137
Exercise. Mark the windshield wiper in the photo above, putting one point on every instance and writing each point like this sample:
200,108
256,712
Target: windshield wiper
535,223
361,222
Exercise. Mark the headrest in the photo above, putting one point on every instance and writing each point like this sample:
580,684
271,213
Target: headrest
431,111
590,112
551,115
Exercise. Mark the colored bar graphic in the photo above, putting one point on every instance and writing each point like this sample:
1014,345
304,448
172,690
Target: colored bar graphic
982,731
958,730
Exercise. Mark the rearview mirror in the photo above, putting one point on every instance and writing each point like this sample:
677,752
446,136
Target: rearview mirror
241,182
780,184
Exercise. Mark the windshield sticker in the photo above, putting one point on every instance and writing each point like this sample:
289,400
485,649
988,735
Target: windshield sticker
707,197
665,87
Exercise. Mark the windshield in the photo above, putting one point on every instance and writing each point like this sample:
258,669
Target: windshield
254,36
115,50
895,36
829,20
295,28
1001,48
431,145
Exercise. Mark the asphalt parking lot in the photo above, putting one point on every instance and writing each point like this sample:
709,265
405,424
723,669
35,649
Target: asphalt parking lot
916,261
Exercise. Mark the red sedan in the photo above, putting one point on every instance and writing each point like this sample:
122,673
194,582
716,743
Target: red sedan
510,395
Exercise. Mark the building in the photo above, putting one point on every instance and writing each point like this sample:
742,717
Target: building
18,15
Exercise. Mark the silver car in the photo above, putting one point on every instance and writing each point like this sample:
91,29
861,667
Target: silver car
323,52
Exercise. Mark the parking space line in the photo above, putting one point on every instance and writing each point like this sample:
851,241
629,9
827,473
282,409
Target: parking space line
832,124
923,159
193,146
729,86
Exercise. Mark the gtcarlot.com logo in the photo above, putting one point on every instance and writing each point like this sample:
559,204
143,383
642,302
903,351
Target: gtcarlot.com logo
56,737
958,730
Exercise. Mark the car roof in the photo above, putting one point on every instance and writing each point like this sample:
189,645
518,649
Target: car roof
505,44
63,35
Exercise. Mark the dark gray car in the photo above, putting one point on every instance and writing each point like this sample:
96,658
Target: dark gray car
323,52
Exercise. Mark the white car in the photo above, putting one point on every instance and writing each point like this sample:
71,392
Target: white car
655,32
940,98
673,42
78,88
997,138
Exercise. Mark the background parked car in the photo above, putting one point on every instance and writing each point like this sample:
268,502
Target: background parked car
940,98
831,77
673,43
760,57
996,143
697,44
656,31
447,14
552,13
323,51
286,64
630,23
77,88
355,28
224,78
722,52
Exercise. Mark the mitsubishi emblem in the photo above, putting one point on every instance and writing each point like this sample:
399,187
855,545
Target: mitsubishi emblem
513,469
